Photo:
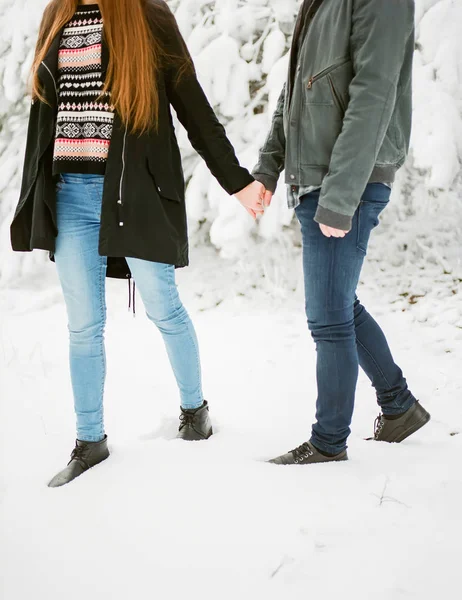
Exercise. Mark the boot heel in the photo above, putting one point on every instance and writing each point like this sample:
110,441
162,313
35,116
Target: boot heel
418,425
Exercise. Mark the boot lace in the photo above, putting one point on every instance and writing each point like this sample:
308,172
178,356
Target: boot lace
79,454
302,452
378,426
186,418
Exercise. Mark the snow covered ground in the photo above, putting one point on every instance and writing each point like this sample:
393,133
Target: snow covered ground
166,519
212,520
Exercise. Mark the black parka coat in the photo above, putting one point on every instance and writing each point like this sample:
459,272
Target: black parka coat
143,209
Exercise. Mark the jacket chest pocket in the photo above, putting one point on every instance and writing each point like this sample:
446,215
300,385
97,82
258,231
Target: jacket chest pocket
329,87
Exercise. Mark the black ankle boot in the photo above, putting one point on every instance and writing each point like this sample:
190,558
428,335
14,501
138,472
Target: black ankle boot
84,456
195,425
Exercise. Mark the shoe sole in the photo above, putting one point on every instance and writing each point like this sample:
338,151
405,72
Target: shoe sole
202,439
325,460
413,429
77,476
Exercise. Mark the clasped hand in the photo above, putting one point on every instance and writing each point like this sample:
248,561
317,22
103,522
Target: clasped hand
255,198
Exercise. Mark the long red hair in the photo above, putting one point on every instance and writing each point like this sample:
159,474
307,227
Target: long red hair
135,56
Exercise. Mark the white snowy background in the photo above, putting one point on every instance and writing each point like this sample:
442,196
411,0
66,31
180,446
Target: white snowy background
213,520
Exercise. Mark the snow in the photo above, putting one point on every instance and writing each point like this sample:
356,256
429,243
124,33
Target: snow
437,139
212,519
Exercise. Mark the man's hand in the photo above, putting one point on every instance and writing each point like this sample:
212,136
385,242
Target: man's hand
332,232
252,198
267,198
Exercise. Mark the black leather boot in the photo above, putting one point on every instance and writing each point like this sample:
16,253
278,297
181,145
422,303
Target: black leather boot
84,456
398,429
195,425
307,454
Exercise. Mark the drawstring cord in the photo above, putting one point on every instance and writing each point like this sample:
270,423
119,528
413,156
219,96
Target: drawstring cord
131,297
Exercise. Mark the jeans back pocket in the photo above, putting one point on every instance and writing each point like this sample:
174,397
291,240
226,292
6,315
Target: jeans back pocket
373,203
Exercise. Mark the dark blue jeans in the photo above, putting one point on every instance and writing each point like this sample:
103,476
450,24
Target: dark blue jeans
345,334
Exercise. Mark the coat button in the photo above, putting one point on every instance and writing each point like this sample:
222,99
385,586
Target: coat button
159,189
119,201
121,224
292,177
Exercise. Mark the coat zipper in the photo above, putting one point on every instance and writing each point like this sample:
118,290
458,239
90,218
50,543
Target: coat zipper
325,72
123,168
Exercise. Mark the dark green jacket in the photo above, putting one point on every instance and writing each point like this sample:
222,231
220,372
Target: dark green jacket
344,116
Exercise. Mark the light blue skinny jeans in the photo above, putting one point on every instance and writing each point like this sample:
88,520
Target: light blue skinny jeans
82,273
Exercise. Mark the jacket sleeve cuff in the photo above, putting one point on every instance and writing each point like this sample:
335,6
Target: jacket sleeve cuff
244,179
268,181
324,216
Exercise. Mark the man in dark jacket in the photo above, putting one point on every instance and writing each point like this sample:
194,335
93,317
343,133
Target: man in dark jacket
341,130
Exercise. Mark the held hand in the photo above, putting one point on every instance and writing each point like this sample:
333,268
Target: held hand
267,199
332,232
252,198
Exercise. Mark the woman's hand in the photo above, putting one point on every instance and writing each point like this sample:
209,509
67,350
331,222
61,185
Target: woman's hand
252,198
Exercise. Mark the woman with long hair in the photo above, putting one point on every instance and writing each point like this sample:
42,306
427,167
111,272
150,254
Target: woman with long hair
103,188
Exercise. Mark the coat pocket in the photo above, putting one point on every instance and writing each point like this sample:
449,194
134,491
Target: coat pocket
326,98
330,86
338,101
164,180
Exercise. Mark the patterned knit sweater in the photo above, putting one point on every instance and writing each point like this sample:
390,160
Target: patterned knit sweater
84,122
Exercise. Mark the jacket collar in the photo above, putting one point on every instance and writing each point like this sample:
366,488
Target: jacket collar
307,11
51,57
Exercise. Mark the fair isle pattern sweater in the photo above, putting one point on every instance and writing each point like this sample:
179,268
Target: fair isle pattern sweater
84,121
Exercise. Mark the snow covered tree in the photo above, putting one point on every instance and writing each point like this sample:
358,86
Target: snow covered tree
241,49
